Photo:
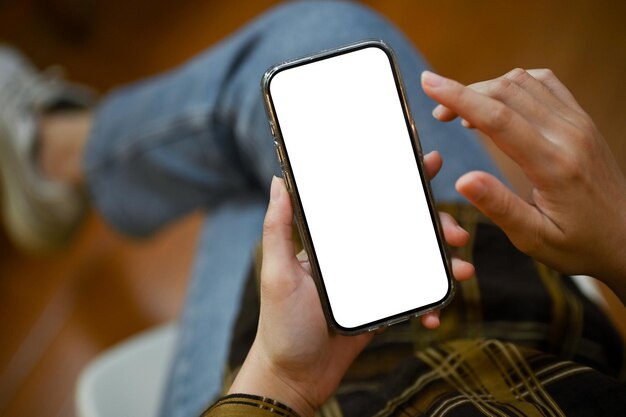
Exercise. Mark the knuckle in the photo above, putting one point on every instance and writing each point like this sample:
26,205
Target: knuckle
586,125
518,75
570,168
500,116
501,208
580,143
499,88
267,286
544,74
459,94
579,136
268,229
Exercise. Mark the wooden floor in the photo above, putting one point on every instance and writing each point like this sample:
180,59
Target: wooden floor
57,312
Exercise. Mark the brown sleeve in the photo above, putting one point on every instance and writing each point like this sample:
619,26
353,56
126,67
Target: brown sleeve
245,405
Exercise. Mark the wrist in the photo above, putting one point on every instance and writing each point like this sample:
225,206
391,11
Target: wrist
259,377
616,280
615,275
268,406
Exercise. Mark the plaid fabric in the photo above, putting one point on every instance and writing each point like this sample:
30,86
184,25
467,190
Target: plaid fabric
519,339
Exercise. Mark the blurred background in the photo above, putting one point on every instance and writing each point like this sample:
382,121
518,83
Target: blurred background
58,311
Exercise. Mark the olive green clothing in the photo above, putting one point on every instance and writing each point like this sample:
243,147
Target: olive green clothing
519,339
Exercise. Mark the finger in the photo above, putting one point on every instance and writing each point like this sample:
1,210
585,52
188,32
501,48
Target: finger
555,86
462,270
455,235
565,108
278,249
430,320
432,163
443,114
542,84
509,130
512,94
539,90
529,99
517,218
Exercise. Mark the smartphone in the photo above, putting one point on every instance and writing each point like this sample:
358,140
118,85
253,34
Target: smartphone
352,163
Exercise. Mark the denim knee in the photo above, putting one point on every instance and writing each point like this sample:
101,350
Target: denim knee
334,21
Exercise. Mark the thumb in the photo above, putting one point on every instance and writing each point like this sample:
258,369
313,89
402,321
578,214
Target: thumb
278,250
517,218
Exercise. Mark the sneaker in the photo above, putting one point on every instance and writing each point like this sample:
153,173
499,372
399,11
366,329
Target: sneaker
39,214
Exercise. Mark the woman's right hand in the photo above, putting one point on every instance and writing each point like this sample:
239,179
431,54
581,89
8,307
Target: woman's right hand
296,358
575,217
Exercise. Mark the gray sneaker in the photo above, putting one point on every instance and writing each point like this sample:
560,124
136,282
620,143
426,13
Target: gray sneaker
39,214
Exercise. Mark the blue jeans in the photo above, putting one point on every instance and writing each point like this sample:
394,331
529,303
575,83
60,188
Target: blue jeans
198,136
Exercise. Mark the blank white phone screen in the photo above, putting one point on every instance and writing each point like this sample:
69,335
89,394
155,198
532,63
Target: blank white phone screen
355,171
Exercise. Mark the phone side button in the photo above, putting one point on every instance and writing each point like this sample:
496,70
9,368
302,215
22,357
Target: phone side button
278,155
281,154
392,322
287,181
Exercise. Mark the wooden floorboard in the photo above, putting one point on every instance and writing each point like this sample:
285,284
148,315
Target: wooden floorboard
57,312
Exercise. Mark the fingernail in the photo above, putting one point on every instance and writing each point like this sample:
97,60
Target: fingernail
431,79
437,112
456,262
465,123
274,189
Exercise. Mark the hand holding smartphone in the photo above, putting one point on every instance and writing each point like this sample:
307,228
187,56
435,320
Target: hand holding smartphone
352,162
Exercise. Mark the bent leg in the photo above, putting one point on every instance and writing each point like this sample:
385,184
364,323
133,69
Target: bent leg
197,134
